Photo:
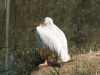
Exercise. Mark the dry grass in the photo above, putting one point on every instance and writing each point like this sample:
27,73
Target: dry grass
84,64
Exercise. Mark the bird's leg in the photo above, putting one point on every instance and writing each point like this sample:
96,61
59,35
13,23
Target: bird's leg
46,61
56,60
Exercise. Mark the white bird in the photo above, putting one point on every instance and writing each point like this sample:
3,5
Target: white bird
52,40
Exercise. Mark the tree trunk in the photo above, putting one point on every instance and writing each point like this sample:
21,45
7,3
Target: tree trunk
7,31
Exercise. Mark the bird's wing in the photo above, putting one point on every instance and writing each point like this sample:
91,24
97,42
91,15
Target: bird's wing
53,39
63,51
62,37
48,38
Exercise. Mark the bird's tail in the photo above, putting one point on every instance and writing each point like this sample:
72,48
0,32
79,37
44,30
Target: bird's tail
64,55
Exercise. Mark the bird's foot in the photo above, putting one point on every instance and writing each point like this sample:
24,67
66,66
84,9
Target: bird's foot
54,64
44,64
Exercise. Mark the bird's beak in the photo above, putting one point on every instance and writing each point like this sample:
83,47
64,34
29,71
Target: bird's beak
33,29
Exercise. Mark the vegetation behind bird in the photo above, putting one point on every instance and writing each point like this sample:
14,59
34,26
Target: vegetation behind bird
78,19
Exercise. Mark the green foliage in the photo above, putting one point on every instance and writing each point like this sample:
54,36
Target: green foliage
3,72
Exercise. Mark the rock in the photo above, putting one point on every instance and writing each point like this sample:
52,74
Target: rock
80,64
42,70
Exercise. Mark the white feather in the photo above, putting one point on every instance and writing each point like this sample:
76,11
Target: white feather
51,38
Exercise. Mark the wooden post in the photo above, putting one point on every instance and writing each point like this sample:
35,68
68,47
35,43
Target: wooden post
7,33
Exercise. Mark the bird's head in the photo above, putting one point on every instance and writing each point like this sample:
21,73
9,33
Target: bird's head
47,22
